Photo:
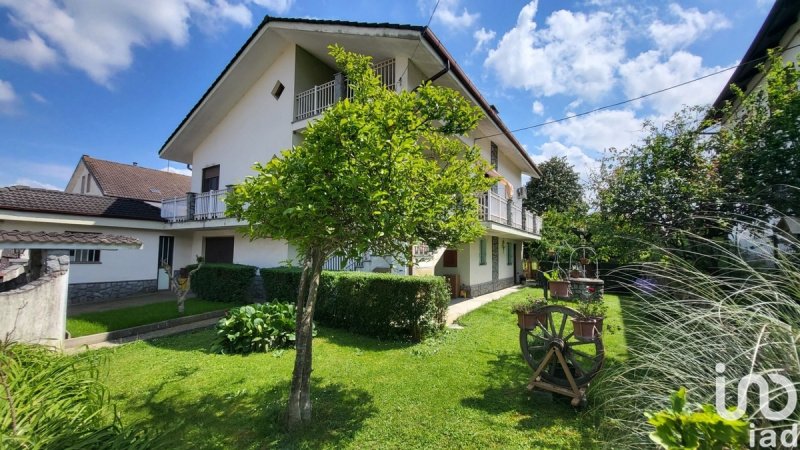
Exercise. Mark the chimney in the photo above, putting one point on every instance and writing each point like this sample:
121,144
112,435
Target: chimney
136,164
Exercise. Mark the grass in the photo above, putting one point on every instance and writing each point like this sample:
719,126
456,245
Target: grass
118,319
465,388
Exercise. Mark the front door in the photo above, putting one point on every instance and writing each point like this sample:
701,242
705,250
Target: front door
219,249
166,247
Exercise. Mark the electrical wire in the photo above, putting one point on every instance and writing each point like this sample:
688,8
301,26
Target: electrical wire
414,53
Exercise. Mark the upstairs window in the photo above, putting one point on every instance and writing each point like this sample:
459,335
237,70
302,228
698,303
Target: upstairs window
493,155
277,90
210,179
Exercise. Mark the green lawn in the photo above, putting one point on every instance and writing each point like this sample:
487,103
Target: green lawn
118,319
465,389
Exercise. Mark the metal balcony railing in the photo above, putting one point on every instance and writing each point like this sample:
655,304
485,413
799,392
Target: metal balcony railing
193,206
496,208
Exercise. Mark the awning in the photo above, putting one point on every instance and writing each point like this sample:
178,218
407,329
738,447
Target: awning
491,173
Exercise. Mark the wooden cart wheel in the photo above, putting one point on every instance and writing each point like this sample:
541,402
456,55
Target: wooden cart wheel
584,358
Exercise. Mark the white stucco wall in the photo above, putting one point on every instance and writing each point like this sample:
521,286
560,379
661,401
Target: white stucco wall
255,129
259,253
82,173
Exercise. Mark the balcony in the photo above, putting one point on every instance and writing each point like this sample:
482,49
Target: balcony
193,206
315,101
497,209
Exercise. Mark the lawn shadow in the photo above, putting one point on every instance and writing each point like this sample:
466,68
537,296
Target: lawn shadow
246,418
507,392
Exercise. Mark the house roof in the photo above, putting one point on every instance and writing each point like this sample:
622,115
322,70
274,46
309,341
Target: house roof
24,198
140,183
782,15
425,33
42,239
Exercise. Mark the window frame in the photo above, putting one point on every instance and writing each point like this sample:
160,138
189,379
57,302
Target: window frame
84,256
509,253
482,252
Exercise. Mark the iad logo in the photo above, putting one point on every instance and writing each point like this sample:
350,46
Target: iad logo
768,437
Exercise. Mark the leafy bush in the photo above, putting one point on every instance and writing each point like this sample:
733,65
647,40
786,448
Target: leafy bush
48,400
379,305
223,282
256,328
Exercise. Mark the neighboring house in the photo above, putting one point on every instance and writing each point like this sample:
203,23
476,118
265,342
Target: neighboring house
112,179
282,79
98,274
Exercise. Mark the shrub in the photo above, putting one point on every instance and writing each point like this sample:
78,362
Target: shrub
49,400
378,305
223,282
256,328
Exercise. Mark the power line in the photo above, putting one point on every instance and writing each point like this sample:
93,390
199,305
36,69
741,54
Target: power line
538,125
414,53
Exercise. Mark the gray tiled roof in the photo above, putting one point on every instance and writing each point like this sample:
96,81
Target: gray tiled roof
23,198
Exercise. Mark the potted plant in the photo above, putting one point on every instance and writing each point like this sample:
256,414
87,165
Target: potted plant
585,261
589,324
558,288
530,313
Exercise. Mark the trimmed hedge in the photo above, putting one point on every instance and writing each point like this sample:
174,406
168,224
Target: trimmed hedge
379,305
223,282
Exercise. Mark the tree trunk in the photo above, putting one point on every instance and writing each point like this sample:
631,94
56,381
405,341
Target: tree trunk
299,410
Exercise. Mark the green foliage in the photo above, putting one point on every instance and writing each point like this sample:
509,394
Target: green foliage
223,282
592,308
558,189
529,305
52,401
256,328
379,305
681,427
758,147
373,173
552,275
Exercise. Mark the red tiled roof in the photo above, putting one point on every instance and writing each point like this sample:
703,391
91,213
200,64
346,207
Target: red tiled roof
129,181
23,198
41,237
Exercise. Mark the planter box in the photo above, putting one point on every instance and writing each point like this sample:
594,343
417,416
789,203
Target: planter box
587,329
529,321
559,289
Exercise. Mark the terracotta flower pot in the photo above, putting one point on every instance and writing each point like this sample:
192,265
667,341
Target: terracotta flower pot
559,289
585,261
588,328
529,321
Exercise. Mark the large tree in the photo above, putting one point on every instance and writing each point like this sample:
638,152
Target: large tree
558,189
758,144
379,172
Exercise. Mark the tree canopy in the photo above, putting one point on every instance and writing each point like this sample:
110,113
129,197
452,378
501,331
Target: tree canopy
558,189
379,172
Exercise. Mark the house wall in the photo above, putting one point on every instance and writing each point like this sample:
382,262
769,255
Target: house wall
259,253
255,129
82,173
309,71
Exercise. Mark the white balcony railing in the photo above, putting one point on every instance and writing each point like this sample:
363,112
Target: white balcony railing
202,206
496,208
316,100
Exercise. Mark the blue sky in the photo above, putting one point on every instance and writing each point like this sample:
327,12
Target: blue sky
113,78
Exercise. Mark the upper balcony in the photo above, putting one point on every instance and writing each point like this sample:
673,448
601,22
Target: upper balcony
314,101
496,209
193,206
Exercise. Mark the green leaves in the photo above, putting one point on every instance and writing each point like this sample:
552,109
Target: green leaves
256,328
701,428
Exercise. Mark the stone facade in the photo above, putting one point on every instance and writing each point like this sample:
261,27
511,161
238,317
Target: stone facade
83,293
490,286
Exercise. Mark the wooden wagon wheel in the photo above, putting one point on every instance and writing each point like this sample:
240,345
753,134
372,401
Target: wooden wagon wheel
584,358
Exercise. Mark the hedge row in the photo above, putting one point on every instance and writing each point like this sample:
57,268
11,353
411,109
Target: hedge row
379,305
222,282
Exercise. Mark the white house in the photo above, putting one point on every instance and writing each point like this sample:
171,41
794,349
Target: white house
283,78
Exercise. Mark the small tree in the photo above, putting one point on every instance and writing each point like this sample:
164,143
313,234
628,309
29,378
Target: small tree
379,172
558,189
181,290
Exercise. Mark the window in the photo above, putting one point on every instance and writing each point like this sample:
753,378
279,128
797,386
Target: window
509,253
210,178
84,256
493,155
450,258
219,249
277,90
482,252
83,184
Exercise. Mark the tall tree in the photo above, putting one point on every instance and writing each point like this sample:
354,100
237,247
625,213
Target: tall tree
558,189
758,144
378,172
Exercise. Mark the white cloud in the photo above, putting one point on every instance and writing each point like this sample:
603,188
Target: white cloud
482,38
35,184
171,169
450,14
276,6
98,36
604,129
691,26
38,97
8,98
648,72
31,51
579,159
575,53
537,108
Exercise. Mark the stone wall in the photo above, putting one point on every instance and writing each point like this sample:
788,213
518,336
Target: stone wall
37,311
490,286
83,293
